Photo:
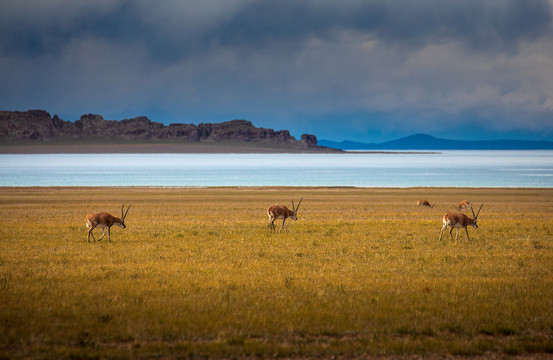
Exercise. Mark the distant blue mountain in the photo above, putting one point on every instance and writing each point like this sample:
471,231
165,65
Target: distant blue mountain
428,142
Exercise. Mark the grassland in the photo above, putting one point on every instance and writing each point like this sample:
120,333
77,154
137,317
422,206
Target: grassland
197,274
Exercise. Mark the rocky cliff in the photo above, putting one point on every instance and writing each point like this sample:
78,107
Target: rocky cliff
40,126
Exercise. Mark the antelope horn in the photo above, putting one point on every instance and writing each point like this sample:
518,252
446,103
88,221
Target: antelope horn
478,213
124,216
471,209
299,205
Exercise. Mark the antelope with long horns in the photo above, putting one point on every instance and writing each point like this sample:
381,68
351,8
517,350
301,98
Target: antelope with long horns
104,221
460,221
282,213
424,203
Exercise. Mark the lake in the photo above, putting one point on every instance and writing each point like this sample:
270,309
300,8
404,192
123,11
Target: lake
445,169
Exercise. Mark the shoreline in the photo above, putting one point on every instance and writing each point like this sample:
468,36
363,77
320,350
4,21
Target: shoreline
182,148
158,148
262,188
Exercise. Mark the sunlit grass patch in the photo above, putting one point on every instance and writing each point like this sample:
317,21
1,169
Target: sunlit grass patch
197,273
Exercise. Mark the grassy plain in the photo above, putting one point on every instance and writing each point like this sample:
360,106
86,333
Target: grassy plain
197,274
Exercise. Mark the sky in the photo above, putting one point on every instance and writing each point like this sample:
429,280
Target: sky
361,70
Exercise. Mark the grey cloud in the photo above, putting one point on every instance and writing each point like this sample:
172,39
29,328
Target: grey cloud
178,28
287,59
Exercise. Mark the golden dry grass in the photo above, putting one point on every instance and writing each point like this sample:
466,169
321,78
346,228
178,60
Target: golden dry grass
197,274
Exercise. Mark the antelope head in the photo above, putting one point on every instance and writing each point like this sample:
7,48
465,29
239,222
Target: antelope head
475,217
294,215
123,216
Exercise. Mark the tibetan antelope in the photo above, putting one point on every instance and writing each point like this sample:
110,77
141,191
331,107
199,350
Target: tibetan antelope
465,204
282,212
424,203
104,220
460,221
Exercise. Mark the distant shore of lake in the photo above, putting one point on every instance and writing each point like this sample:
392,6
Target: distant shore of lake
177,148
155,148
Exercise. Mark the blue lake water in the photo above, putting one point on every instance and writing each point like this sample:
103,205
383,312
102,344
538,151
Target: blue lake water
448,168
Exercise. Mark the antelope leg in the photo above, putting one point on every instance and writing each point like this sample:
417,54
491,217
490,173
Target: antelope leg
90,233
442,232
283,225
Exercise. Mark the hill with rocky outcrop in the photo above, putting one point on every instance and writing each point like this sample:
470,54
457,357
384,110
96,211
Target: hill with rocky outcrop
39,126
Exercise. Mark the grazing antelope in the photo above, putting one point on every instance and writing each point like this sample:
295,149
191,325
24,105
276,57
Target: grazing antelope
282,212
424,203
104,220
459,221
465,204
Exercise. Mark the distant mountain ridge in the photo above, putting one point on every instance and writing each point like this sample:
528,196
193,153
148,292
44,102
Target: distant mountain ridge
38,126
428,142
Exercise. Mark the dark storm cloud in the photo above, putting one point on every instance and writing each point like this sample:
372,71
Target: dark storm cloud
478,24
481,25
390,65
